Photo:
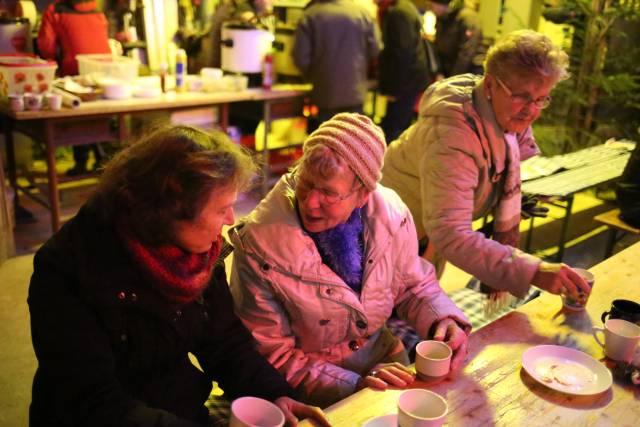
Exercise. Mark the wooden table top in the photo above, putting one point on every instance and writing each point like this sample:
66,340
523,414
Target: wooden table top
493,389
169,100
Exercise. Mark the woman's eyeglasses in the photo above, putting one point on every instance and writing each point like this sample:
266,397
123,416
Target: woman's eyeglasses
521,100
327,197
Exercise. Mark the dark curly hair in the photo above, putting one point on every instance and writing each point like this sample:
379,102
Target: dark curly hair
167,176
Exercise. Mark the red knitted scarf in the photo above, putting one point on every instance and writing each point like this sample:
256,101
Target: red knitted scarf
178,275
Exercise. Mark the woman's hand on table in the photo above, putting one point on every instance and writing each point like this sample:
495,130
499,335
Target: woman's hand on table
294,410
387,374
450,332
558,278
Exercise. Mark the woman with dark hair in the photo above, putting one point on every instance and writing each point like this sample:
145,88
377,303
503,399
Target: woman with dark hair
135,282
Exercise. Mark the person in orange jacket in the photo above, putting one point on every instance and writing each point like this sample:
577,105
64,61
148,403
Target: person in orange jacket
69,28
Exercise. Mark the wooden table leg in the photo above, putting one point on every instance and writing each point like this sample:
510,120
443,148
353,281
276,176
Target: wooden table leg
11,156
565,228
224,116
611,242
122,128
54,199
527,245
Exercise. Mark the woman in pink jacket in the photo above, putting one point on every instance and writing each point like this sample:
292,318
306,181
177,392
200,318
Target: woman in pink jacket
325,258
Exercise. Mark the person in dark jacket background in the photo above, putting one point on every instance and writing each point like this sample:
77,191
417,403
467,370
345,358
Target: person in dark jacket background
335,42
404,70
628,190
135,282
458,42
69,28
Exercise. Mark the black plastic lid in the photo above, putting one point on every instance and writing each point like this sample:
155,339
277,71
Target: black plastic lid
16,20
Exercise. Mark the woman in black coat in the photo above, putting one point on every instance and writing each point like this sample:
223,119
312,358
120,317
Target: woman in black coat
135,282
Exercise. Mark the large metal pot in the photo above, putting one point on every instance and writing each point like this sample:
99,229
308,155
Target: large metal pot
282,59
15,35
244,48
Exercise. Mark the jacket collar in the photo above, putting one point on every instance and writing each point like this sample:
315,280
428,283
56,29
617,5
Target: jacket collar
490,127
272,233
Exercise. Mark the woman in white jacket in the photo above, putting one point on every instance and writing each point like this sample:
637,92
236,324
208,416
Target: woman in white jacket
324,259
461,161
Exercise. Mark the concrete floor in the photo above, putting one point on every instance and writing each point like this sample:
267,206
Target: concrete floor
17,361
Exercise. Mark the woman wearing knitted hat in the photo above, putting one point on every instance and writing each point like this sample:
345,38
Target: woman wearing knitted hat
136,281
461,161
325,258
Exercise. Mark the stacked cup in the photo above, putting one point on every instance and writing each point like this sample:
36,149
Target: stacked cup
421,408
580,303
35,101
433,360
255,412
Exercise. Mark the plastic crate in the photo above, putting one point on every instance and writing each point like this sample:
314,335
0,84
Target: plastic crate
98,66
21,73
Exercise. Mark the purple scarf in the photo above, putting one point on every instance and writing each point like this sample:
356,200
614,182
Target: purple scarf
342,249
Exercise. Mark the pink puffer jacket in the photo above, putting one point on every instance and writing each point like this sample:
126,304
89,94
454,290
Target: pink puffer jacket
313,327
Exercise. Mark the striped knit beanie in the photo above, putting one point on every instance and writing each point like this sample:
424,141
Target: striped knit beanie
357,140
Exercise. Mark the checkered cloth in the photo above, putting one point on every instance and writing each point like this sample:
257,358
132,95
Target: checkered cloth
470,301
473,305
219,408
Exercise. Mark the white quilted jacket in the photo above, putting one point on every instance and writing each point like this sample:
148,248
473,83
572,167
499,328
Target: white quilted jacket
449,168
315,329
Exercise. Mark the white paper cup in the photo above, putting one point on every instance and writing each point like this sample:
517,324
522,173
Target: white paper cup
33,101
255,412
433,359
621,338
53,101
211,73
16,101
421,408
581,302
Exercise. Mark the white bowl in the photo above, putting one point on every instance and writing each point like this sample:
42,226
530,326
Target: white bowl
115,89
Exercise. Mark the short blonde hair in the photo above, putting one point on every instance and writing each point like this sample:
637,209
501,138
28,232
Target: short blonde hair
529,52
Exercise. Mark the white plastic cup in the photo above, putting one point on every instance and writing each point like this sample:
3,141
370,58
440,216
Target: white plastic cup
53,101
421,408
211,73
433,359
581,302
255,412
33,101
621,339
16,101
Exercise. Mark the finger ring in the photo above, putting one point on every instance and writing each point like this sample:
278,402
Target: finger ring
374,373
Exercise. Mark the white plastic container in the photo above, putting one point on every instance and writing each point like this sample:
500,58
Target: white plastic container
243,48
116,89
99,66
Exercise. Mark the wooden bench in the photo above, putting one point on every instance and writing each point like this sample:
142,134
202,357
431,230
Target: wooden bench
612,220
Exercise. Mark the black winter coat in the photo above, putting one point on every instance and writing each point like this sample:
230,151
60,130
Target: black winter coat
628,190
458,43
404,67
113,352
